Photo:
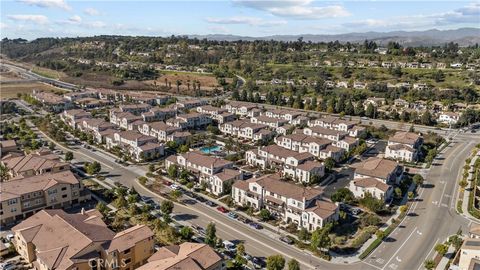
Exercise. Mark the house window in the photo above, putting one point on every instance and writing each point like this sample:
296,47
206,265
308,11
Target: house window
64,188
127,261
126,251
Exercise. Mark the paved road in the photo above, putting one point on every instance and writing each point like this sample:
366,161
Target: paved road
432,218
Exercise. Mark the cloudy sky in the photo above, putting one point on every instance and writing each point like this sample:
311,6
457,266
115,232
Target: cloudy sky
59,18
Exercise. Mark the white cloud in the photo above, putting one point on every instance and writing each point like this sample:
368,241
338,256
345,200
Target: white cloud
253,21
39,19
75,19
3,25
96,24
47,3
297,9
91,12
218,29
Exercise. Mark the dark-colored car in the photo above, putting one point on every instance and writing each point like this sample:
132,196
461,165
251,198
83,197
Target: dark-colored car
256,226
211,204
247,221
287,240
259,263
222,209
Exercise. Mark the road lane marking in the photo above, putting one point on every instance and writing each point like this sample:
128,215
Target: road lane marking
374,266
421,264
403,244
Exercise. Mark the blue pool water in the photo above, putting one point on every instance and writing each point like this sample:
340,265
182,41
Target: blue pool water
208,150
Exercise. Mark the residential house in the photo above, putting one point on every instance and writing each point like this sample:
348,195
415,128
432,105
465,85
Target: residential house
242,108
404,146
469,254
190,103
73,117
54,239
159,114
243,129
268,121
303,206
202,165
449,118
8,146
40,162
221,183
192,256
23,196
190,120
139,146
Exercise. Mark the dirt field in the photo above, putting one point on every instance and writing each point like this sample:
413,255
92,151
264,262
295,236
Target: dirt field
11,90
9,76
207,82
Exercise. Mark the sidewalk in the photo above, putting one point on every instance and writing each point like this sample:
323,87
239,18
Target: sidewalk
443,263
466,192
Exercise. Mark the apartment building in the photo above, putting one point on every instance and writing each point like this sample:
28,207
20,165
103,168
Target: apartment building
404,146
303,143
42,161
303,206
94,125
139,146
224,117
159,114
8,146
190,120
25,195
221,183
135,109
449,118
469,254
54,239
123,120
202,165
190,103
52,102
370,172
243,129
288,115
318,131
268,121
242,109
159,130
187,255
299,166
209,109
73,117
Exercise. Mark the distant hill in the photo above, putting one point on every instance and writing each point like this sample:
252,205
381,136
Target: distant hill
462,36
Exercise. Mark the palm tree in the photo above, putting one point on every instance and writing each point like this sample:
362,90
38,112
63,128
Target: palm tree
178,85
166,81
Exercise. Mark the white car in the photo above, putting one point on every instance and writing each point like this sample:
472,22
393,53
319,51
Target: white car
175,187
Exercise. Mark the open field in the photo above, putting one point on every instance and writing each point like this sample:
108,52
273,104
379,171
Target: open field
207,81
11,90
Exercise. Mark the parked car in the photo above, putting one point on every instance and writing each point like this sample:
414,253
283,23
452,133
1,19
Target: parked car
7,266
211,204
201,199
287,240
256,225
232,215
222,209
258,263
175,187
356,211
247,221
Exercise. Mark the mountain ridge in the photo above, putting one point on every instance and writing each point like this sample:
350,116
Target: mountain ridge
462,36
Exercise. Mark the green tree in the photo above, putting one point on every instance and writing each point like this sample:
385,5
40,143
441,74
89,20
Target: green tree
239,257
427,118
51,146
68,156
166,207
93,168
343,195
303,234
329,163
441,249
211,234
183,148
102,208
151,168
172,171
293,265
265,214
186,233
275,262
429,264
175,194
398,192
320,238
370,111
418,180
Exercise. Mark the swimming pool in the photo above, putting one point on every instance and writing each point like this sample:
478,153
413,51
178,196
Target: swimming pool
208,150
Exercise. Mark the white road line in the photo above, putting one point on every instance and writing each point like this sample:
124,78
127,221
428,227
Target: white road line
421,264
398,250
376,267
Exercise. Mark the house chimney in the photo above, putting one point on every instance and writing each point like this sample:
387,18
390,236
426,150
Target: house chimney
82,211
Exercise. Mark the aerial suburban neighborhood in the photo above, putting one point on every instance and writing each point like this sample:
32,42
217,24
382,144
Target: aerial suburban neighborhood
123,146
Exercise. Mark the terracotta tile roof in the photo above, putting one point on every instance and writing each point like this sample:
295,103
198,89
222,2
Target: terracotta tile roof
326,131
400,147
285,153
128,238
323,208
204,160
273,183
8,143
228,174
405,137
36,162
370,183
191,256
309,165
58,237
376,167
20,185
